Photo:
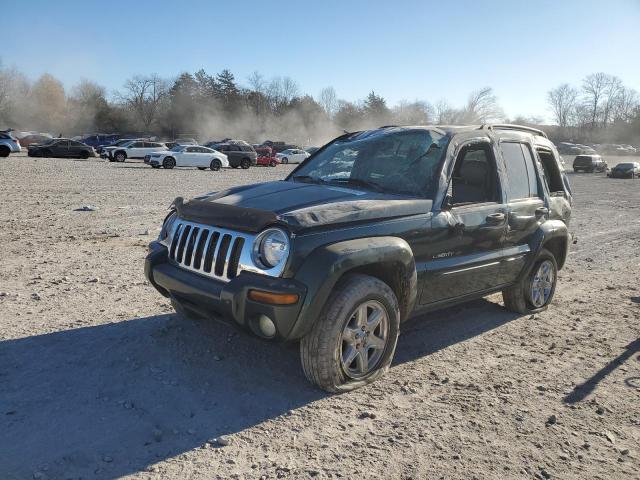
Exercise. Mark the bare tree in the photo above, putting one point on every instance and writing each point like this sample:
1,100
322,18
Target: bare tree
562,101
482,106
413,113
611,93
626,104
328,100
143,95
593,88
444,113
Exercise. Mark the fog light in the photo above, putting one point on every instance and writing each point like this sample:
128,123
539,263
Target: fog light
273,298
267,327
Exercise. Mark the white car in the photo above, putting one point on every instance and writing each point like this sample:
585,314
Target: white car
133,149
292,155
188,156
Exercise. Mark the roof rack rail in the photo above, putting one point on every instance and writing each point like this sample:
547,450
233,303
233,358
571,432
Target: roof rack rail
509,126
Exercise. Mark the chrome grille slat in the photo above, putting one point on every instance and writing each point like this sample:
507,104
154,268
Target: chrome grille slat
186,237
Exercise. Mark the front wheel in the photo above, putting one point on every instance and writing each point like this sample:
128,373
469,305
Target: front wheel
534,292
285,160
169,163
353,342
4,151
121,157
215,165
84,155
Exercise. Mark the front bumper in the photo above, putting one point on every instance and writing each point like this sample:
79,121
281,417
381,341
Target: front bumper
211,298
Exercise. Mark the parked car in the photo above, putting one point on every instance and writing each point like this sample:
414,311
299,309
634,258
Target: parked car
105,149
61,147
338,254
97,140
266,157
589,163
292,155
133,149
569,148
180,141
239,153
188,156
8,144
311,150
625,170
33,139
278,147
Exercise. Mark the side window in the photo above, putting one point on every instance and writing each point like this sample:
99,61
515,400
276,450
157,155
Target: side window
475,178
531,170
518,170
192,149
137,145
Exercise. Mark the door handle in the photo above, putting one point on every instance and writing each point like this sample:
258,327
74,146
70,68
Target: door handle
541,212
495,218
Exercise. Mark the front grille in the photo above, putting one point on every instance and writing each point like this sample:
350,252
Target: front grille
210,251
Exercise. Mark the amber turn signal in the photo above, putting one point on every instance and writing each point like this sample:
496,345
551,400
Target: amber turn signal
273,298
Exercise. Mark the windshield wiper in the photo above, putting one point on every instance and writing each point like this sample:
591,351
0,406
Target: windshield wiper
358,182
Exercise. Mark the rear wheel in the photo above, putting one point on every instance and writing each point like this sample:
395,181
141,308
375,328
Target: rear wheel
534,292
273,163
4,151
353,342
169,163
215,165
245,163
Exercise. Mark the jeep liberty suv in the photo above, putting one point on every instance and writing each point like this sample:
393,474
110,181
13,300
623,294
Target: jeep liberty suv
372,229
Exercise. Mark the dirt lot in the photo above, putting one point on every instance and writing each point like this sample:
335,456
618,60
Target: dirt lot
99,379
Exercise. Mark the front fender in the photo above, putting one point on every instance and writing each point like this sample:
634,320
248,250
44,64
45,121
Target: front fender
324,267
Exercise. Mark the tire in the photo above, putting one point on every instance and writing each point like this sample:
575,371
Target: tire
4,151
285,160
520,297
235,166
169,163
273,163
215,165
46,153
120,157
245,163
324,350
84,155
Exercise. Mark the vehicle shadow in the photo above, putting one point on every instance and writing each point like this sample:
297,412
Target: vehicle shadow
581,391
434,331
110,400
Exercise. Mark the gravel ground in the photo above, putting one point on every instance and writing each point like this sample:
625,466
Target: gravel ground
99,379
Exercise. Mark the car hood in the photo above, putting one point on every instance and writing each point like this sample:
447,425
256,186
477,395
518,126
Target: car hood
298,205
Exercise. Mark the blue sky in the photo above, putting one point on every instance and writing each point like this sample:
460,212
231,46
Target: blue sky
401,50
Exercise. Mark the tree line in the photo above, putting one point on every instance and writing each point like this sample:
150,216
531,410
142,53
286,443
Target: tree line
601,110
215,106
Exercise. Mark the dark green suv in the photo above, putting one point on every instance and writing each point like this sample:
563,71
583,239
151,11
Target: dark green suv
372,229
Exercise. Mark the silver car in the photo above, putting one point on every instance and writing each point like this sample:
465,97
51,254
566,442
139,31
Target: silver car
8,144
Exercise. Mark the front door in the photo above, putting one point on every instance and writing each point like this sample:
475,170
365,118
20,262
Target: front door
469,232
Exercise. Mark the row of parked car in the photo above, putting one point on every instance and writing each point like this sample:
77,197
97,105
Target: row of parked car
182,152
567,148
595,163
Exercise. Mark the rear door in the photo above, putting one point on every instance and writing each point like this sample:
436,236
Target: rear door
526,206
136,150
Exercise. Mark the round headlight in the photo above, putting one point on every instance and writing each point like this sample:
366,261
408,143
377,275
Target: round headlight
272,247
